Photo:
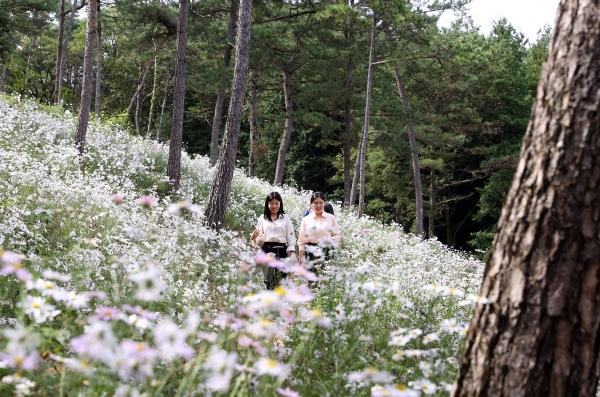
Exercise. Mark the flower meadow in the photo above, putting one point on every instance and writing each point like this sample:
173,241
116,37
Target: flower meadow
111,285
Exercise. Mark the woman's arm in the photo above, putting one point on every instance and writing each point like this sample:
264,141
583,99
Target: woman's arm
336,234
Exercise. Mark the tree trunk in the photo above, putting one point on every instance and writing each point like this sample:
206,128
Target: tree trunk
253,129
3,78
539,336
174,166
163,106
412,138
449,235
143,79
218,114
86,85
138,106
221,183
98,66
348,120
288,126
431,205
59,47
153,96
64,53
365,135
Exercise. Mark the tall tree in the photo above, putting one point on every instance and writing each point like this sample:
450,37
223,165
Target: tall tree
539,336
359,173
64,52
288,124
86,85
414,153
98,65
59,47
221,183
174,165
253,124
218,114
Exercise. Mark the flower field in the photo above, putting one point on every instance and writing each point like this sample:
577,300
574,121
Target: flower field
111,286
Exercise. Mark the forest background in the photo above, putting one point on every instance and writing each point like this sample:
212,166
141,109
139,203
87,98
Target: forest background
469,94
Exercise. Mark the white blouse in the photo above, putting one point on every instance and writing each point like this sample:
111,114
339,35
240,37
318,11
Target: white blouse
280,230
322,230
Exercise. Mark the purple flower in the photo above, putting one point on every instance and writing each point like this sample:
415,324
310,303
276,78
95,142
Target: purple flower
287,392
147,201
106,313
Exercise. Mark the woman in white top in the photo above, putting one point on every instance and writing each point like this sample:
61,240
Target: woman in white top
319,231
274,233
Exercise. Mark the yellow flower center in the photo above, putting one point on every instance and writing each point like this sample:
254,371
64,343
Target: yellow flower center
280,291
271,363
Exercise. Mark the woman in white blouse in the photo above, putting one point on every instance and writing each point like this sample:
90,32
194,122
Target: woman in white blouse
319,232
274,233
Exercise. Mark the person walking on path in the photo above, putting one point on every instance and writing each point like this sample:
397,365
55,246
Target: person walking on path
319,233
274,233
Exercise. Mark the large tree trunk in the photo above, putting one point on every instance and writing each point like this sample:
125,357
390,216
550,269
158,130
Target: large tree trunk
288,125
174,166
365,134
98,66
59,48
412,138
221,183
218,114
86,85
252,120
64,52
539,336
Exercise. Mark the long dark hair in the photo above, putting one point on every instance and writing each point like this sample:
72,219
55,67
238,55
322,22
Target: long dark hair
317,195
270,197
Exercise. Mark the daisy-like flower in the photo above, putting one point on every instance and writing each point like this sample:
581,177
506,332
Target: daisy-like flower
106,313
171,341
401,337
424,385
472,299
453,327
316,316
411,353
219,366
429,338
37,308
135,360
147,201
97,342
184,208
287,392
370,375
149,283
20,360
23,386
268,366
53,275
399,390
11,263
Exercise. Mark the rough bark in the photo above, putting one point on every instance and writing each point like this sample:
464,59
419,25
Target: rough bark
98,66
365,134
59,48
86,85
539,336
221,183
252,120
218,113
412,138
64,53
174,165
286,137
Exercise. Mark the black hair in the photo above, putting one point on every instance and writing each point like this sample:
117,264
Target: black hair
270,197
328,208
317,195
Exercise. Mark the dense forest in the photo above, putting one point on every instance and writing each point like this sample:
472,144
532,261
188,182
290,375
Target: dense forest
446,106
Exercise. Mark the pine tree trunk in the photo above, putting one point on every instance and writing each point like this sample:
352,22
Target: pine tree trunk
218,114
163,106
539,336
355,177
98,66
153,95
64,52
3,76
138,107
412,138
288,127
174,165
59,47
86,85
431,205
253,129
348,120
365,134
221,183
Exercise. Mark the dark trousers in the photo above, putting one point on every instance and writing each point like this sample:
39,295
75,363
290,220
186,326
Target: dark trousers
315,259
273,276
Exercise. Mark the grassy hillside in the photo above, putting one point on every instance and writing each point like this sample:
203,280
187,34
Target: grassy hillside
111,286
